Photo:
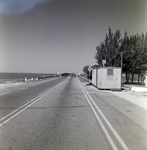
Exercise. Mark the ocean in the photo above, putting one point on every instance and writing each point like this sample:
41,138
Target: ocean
7,77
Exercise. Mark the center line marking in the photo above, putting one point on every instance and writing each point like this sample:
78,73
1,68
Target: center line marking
90,101
25,106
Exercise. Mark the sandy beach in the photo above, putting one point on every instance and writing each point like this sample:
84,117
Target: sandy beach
10,84
138,98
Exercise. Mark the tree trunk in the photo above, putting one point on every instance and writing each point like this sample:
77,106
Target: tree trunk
138,78
141,79
126,77
132,78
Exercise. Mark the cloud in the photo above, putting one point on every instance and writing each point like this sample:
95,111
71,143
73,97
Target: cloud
17,7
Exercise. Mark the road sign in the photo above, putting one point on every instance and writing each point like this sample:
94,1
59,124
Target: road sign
103,62
89,69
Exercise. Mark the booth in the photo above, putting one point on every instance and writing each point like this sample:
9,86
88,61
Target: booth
107,78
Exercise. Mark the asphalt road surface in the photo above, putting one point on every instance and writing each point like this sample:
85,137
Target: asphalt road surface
66,114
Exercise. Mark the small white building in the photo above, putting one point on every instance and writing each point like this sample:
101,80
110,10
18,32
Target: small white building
107,78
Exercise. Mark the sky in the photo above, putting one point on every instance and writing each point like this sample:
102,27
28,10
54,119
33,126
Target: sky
49,36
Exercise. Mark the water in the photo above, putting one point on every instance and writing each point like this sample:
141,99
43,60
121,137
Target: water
7,77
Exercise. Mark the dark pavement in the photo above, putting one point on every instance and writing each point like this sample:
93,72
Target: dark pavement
65,114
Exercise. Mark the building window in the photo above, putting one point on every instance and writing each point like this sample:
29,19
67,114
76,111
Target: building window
109,72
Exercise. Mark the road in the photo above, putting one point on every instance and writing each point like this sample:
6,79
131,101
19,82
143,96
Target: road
65,114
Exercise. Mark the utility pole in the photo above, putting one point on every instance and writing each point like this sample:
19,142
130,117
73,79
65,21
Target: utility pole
121,66
89,69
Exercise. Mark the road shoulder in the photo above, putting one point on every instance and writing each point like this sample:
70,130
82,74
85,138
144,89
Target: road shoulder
125,106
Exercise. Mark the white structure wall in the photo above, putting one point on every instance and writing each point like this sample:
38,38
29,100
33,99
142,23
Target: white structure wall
107,78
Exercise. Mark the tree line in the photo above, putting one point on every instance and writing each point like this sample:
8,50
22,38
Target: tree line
133,49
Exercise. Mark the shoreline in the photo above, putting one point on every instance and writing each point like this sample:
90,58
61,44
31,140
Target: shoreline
10,84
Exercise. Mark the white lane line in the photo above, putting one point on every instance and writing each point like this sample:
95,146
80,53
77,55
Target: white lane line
124,146
100,122
25,106
23,88
91,92
123,112
4,93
